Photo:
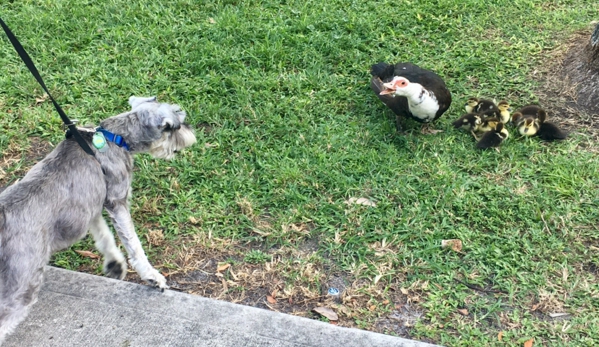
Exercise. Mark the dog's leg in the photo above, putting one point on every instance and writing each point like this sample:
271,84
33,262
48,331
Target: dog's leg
123,224
115,265
17,294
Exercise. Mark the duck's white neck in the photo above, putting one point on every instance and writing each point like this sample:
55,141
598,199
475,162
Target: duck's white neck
422,102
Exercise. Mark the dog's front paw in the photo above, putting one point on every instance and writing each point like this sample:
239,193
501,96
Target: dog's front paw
155,279
114,268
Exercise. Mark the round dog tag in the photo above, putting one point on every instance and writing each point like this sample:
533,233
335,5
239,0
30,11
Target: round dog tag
99,141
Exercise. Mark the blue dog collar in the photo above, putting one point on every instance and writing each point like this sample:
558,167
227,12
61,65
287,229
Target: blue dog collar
117,139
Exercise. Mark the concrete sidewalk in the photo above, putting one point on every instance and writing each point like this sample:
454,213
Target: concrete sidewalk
77,309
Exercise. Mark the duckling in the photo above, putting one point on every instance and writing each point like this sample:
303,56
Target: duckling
531,120
479,105
532,110
486,125
504,111
493,138
526,125
470,120
549,131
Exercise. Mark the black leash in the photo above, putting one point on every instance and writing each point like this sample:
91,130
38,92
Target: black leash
27,60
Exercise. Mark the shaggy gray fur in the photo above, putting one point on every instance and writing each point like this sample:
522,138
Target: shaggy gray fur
62,197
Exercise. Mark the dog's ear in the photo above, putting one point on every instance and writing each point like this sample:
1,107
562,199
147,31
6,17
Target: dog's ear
135,101
179,112
170,116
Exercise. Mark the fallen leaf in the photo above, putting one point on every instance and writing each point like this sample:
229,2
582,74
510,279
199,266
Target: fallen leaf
404,291
193,220
560,314
155,237
463,311
385,302
455,244
427,130
41,99
222,267
225,286
372,307
327,312
500,336
534,307
88,254
528,343
271,299
360,201
211,20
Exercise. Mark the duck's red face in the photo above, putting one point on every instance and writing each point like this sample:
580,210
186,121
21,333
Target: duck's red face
396,84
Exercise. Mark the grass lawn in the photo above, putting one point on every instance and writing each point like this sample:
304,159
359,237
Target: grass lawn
289,130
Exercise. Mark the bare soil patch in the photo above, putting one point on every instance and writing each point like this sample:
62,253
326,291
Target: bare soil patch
565,89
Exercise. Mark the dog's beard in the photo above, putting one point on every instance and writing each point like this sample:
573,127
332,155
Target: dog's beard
172,142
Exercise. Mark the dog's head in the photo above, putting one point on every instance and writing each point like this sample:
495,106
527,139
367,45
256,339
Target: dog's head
152,127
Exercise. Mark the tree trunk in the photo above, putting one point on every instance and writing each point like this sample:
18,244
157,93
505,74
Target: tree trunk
581,67
592,50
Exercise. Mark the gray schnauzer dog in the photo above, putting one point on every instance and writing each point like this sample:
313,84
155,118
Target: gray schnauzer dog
62,197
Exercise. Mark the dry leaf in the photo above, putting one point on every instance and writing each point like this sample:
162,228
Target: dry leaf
534,307
224,283
327,312
222,267
193,220
360,201
385,302
463,311
528,343
500,336
211,20
455,244
88,254
271,299
155,237
404,291
372,307
561,314
41,99
427,130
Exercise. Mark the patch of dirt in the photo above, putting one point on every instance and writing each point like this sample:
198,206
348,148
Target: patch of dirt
205,127
563,79
292,282
16,161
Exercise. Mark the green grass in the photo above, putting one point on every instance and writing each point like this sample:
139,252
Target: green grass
295,131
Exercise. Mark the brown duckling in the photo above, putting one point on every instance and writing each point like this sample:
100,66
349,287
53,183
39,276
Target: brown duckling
493,138
527,125
476,105
531,120
486,125
469,120
549,131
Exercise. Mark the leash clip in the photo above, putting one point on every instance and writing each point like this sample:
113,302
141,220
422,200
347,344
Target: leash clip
66,126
